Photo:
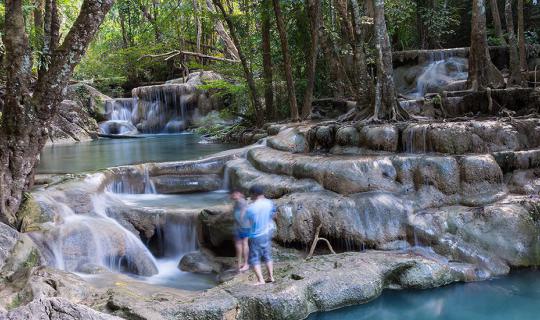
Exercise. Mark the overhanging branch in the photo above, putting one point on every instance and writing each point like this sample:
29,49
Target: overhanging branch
174,53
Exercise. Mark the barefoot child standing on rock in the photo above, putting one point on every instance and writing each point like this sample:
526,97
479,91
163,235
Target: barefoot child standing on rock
260,214
243,228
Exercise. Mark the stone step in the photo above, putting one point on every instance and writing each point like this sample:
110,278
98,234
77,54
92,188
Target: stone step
427,179
243,176
461,137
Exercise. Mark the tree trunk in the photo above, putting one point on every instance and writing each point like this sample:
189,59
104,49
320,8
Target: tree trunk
497,21
353,33
482,72
198,23
152,19
267,61
51,34
259,116
339,80
287,64
230,47
386,104
515,70
26,117
521,37
313,8
365,90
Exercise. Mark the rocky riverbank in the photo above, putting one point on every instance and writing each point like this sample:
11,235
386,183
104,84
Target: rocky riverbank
415,205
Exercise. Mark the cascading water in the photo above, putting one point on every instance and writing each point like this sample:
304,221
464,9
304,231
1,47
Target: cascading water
439,73
416,138
167,108
137,182
76,241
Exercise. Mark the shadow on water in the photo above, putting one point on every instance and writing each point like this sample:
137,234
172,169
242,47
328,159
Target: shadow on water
512,297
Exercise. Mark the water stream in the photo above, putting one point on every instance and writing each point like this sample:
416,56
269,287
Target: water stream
512,297
82,239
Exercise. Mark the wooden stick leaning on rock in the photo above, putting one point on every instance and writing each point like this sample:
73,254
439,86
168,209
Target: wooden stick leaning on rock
316,240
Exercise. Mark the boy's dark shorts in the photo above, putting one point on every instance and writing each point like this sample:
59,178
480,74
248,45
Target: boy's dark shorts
260,248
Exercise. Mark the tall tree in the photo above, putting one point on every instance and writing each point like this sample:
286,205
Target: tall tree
198,23
259,116
386,104
497,20
230,47
150,13
482,71
287,64
267,61
515,70
29,109
365,85
313,8
521,37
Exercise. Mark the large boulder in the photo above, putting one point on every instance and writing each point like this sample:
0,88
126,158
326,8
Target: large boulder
365,218
72,123
57,309
8,240
89,98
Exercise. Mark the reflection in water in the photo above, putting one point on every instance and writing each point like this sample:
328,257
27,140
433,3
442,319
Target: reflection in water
105,153
512,297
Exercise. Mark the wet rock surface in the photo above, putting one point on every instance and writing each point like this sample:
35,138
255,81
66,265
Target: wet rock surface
444,201
72,123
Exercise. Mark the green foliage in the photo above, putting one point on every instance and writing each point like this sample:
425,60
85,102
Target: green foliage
233,95
32,260
401,15
15,302
441,22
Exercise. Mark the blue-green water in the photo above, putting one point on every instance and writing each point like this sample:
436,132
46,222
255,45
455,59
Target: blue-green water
516,297
105,153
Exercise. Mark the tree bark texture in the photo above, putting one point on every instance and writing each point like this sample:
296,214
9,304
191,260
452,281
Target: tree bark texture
497,20
198,23
521,37
230,47
287,63
482,71
313,8
267,61
245,66
26,117
515,70
386,104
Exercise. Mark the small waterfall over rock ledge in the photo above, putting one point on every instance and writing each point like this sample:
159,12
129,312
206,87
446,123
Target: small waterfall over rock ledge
168,108
441,72
75,241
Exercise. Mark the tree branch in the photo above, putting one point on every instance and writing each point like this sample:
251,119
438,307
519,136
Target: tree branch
174,53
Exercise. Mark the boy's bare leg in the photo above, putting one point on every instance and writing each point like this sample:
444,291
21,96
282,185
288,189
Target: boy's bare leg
270,267
238,247
258,272
245,251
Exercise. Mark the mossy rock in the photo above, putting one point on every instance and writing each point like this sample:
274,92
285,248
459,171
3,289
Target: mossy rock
90,98
30,216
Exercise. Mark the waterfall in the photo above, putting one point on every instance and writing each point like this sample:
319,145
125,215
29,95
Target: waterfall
149,187
136,182
226,178
164,108
75,241
416,138
439,72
